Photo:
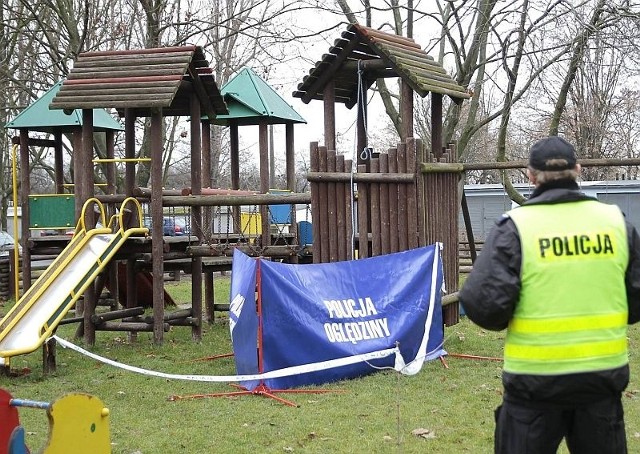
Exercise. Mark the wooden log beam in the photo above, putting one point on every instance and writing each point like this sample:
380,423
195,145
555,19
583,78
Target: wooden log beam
214,200
147,257
114,315
187,321
217,191
450,299
361,177
15,140
117,199
146,192
114,80
68,321
162,67
367,65
182,313
130,326
440,167
267,251
135,53
121,104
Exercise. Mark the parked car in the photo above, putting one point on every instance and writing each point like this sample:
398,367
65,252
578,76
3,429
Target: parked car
183,225
169,226
7,244
57,232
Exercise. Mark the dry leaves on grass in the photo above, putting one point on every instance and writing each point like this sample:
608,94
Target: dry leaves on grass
423,433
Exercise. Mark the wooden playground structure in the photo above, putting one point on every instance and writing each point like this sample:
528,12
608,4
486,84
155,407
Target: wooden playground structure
393,200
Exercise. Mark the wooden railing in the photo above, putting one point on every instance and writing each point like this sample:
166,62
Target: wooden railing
464,255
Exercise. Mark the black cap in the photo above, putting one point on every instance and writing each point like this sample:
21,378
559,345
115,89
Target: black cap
552,153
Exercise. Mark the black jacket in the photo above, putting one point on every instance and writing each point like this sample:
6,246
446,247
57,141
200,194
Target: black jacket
492,289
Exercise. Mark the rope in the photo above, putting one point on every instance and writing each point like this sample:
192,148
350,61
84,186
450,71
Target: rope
365,154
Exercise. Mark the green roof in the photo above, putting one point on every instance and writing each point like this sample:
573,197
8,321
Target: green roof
251,100
38,117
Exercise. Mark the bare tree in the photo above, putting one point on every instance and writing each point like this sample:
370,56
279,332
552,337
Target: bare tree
511,54
505,51
234,34
624,139
590,107
246,33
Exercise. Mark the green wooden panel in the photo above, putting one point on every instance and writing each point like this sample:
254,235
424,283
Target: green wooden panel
52,211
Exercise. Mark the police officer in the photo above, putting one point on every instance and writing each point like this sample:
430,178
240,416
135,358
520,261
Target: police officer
562,274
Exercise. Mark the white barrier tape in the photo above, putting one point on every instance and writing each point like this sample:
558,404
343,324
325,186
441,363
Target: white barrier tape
416,365
287,371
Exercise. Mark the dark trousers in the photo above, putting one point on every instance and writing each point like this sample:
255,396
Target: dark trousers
596,428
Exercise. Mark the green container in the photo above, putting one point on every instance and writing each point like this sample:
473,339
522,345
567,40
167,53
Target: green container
52,211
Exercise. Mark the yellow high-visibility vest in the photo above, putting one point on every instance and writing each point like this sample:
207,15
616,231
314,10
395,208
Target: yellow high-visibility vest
572,313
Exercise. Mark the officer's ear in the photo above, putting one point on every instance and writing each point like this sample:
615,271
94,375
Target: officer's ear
531,176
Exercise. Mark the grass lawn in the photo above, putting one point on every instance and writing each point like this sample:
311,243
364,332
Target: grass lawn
439,410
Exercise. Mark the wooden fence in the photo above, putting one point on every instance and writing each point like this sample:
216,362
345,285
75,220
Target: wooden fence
388,205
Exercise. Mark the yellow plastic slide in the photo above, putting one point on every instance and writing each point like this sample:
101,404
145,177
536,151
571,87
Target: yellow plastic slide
36,315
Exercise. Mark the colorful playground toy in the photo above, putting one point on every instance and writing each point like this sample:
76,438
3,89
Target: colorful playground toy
78,424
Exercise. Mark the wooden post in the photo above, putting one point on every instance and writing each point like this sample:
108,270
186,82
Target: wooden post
406,111
77,172
157,224
111,167
112,268
322,222
206,154
329,101
263,145
420,193
84,191
412,198
314,165
436,125
363,217
385,227
75,177
234,143
332,212
403,233
342,215
291,182
130,151
393,202
129,184
207,219
58,163
25,190
49,356
196,216
348,197
374,210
